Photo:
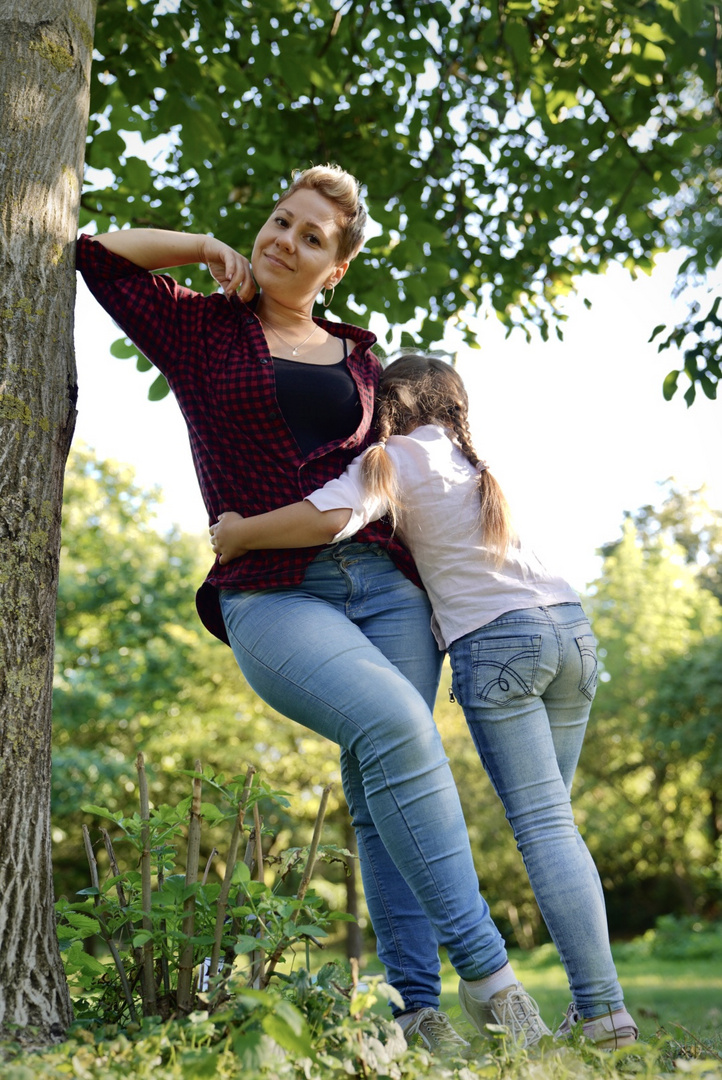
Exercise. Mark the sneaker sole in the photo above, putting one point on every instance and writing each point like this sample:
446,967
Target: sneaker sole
613,1043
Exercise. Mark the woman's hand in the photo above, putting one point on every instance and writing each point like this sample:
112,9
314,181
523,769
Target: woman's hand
230,269
225,537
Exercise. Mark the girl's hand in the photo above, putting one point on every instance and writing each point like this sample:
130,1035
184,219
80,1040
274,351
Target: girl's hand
226,538
230,269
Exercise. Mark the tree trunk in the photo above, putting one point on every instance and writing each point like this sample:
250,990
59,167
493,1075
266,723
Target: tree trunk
44,97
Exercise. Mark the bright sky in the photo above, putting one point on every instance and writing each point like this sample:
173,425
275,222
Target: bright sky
577,432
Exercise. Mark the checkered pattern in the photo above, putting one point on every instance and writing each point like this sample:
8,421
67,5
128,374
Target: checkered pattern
214,355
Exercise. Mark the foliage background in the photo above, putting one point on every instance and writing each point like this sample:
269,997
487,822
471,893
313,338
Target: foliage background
136,671
505,148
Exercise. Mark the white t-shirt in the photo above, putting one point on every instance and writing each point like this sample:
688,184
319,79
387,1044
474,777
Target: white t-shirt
440,523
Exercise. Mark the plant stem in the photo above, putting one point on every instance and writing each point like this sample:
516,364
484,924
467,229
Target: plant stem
149,998
163,927
122,899
104,927
185,962
303,886
313,850
257,956
258,830
222,902
211,857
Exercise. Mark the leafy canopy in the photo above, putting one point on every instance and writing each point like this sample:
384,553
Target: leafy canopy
505,148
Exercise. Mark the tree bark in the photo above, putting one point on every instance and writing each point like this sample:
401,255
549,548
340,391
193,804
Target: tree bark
44,99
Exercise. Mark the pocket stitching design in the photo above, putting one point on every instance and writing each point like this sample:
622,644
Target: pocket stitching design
524,647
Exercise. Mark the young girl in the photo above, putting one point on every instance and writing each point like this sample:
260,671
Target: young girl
522,651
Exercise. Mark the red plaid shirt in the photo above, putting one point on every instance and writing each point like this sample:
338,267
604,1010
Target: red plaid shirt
214,355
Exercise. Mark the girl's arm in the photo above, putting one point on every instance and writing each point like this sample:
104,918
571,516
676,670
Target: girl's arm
156,249
333,512
297,525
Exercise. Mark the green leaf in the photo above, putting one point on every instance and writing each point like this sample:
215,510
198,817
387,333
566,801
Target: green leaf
123,348
86,924
689,14
286,1026
669,386
101,811
248,1048
82,961
66,933
142,937
244,944
651,31
159,389
241,873
708,386
201,1062
312,931
516,36
654,53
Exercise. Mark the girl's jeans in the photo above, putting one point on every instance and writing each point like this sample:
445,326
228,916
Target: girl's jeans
329,654
526,683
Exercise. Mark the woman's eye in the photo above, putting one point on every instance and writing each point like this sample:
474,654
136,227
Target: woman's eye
313,239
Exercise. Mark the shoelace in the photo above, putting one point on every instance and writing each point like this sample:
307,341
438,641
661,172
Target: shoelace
438,1029
520,1013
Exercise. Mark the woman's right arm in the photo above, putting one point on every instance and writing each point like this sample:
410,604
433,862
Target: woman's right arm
158,249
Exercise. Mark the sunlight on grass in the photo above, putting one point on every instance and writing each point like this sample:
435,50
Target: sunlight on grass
661,994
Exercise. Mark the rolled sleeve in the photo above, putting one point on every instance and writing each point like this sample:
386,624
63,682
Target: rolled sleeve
159,316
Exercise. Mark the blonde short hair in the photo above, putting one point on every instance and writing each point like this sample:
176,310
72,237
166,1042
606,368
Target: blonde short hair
341,188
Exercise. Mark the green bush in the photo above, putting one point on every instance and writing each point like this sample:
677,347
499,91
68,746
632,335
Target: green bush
174,940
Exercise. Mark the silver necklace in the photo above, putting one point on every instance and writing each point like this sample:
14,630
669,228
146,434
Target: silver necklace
294,348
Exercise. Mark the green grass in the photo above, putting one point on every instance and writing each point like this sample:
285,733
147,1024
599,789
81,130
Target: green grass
673,985
658,992
678,998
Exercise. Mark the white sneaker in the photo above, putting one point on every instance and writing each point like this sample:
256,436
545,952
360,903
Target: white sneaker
433,1030
511,1008
607,1032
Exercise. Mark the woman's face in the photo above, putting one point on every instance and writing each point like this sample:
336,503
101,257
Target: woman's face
295,254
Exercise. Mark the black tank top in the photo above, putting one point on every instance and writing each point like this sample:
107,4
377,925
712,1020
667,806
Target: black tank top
319,402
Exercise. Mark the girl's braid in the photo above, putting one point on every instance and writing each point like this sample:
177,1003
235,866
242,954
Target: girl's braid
377,469
460,423
384,421
494,507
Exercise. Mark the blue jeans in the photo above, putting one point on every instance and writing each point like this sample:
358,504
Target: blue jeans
318,654
526,683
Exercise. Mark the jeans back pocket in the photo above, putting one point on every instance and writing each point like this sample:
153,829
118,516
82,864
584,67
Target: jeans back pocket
505,668
587,645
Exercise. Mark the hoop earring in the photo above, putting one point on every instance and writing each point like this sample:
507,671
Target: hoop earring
327,303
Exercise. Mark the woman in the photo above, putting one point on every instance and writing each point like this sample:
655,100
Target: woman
522,651
276,404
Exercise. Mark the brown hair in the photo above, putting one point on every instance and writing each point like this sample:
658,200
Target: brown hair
416,390
341,188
